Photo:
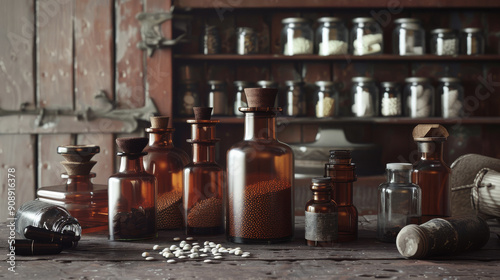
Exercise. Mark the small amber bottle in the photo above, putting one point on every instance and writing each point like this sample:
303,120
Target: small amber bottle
203,179
132,195
342,172
166,162
321,214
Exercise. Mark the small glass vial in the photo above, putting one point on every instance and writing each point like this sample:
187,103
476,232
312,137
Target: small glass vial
391,100
217,97
419,98
325,99
365,98
366,37
210,42
398,202
294,99
132,194
246,41
408,37
452,97
331,36
296,37
444,41
188,98
472,41
321,216
45,215
240,100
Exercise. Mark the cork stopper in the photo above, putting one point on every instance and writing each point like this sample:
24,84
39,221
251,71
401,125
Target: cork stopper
261,97
202,113
132,145
78,168
429,132
159,122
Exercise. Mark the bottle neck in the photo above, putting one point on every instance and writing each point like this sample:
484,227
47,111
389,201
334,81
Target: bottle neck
430,150
399,176
163,139
203,153
322,196
260,125
78,182
131,164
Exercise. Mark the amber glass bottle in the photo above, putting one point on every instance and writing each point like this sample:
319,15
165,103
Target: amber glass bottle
132,195
166,162
431,173
85,201
341,170
203,179
260,177
321,214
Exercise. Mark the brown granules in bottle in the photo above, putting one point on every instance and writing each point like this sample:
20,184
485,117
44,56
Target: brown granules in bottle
206,213
264,212
134,224
169,207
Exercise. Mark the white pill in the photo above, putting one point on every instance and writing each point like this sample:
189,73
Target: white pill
171,261
177,238
218,257
237,248
150,258
194,256
189,238
206,243
196,244
203,255
245,256
155,247
246,253
173,247
231,251
194,250
181,257
168,255
217,254
207,261
218,246
145,254
238,252
182,244
187,247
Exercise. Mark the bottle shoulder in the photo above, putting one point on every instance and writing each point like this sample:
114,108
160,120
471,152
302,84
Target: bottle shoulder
273,146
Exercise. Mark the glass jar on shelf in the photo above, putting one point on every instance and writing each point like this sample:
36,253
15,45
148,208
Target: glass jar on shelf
240,99
210,42
472,41
366,37
419,98
452,97
217,97
331,36
187,98
294,99
364,94
296,36
246,41
391,100
325,99
444,41
408,37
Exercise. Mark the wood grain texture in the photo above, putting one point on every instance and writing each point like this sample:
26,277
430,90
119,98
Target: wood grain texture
105,166
49,166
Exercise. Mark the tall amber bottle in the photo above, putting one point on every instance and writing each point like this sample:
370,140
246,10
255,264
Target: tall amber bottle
260,192
132,194
85,201
431,173
203,179
342,172
166,162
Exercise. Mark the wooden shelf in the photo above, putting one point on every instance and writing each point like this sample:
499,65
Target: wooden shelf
347,58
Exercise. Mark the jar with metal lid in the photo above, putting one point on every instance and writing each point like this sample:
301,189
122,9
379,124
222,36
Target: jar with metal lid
267,84
452,97
240,99
187,98
296,36
325,99
408,37
364,97
472,41
217,97
399,202
391,100
366,37
210,42
294,99
331,36
419,98
444,41
246,41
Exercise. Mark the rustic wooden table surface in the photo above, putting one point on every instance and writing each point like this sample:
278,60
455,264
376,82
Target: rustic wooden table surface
97,258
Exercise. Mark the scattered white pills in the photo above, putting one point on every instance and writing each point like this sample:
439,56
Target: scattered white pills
171,261
189,238
177,238
155,247
145,254
150,258
218,257
207,261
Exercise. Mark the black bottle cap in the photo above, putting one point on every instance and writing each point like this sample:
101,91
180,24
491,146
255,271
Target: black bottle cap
26,247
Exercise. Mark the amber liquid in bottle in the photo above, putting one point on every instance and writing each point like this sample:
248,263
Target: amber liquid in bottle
342,172
432,175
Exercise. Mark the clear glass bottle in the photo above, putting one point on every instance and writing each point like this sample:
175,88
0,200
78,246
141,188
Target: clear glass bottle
430,172
260,193
408,37
132,194
325,99
342,172
240,100
166,162
246,41
217,97
452,97
295,104
85,201
399,202
472,41
444,41
366,37
364,94
419,98
321,217
41,214
331,36
203,201
391,100
296,37
187,98
210,42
